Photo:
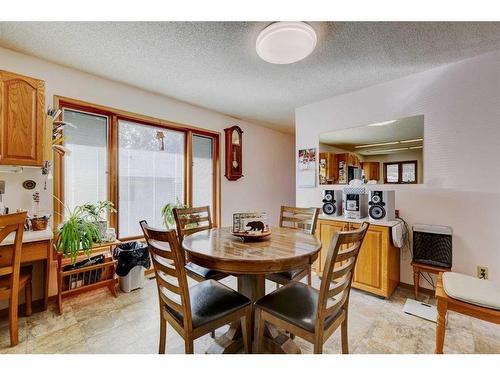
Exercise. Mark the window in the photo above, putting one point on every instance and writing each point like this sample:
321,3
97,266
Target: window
150,174
86,167
203,171
402,172
137,162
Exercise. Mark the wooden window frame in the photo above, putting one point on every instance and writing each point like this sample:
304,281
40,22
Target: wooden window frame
114,115
400,171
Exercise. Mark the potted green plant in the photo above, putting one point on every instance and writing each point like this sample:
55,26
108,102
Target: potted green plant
78,232
98,213
168,214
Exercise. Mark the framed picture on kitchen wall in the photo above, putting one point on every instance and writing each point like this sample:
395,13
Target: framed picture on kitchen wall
306,173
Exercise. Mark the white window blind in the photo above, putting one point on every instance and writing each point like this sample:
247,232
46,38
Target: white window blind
203,171
150,174
85,169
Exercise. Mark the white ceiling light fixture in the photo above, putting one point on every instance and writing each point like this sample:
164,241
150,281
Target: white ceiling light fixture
286,42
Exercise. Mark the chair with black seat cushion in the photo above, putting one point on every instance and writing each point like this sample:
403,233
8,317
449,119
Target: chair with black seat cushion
13,277
196,311
193,220
315,314
301,219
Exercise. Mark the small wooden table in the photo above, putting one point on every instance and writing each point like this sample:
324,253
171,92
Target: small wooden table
418,268
37,246
286,249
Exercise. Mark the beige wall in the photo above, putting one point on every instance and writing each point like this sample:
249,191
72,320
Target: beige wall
461,107
268,155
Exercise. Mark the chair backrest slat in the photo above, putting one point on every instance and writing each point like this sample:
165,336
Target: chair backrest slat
192,220
299,218
10,264
346,253
338,272
168,262
339,287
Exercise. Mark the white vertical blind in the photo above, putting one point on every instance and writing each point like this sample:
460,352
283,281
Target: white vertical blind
409,172
203,171
150,174
85,169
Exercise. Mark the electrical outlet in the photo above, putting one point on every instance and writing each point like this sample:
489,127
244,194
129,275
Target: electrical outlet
482,272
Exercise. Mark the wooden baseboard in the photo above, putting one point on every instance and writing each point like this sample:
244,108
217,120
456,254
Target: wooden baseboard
411,287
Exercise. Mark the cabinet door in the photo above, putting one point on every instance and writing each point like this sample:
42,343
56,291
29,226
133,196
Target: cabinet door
326,229
22,102
369,268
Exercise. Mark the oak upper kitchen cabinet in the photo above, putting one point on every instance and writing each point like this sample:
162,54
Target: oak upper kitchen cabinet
377,266
22,116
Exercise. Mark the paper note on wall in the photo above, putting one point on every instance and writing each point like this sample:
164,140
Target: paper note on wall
306,178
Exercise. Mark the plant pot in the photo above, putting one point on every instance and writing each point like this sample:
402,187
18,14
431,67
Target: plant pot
39,223
102,227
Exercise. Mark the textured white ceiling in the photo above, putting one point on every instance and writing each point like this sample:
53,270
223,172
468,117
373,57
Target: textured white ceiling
214,64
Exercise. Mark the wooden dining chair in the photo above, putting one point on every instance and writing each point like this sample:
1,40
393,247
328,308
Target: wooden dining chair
301,219
311,314
193,220
196,311
12,277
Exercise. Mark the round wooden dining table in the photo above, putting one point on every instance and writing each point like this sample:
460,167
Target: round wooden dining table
285,249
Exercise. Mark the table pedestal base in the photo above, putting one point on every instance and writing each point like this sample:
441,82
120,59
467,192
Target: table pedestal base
275,341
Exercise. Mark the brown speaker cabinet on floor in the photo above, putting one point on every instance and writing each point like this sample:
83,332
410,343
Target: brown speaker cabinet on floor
377,266
81,280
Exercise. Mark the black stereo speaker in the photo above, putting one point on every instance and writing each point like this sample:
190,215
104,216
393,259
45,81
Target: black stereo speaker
332,202
382,205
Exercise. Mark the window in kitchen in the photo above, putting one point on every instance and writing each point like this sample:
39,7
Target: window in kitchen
85,167
203,171
150,174
403,172
137,162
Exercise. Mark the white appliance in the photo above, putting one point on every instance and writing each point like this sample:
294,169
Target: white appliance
355,205
382,205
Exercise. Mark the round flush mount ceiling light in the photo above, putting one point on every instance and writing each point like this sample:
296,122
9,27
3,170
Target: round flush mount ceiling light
286,42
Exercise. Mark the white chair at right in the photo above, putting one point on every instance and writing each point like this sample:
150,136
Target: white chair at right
467,295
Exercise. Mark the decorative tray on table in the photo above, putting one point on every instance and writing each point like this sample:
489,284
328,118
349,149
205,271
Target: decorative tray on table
250,226
252,235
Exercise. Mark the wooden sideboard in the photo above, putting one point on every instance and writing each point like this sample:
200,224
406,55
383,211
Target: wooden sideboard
377,267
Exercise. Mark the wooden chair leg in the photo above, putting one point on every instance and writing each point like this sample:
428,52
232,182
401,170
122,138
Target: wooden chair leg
13,324
189,345
28,297
246,330
163,336
259,331
309,276
416,281
318,343
442,308
212,334
345,340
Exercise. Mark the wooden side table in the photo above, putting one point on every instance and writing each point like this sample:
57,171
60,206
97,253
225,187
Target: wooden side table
419,268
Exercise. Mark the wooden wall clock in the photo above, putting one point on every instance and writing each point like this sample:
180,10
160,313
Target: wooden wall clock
233,145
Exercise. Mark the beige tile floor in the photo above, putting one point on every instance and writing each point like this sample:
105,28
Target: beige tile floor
98,323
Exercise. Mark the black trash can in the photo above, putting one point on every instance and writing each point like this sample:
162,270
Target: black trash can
132,257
